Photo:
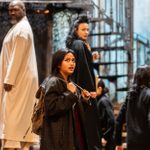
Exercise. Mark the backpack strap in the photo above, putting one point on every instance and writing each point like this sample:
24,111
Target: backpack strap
39,95
42,89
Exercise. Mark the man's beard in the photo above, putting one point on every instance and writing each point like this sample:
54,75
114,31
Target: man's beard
13,21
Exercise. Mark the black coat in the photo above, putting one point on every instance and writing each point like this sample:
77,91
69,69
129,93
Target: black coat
84,76
136,113
58,129
107,120
138,121
120,120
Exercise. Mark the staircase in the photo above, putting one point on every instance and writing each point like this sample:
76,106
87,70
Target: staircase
112,37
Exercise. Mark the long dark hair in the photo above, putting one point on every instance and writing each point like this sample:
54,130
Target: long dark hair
141,81
72,33
57,59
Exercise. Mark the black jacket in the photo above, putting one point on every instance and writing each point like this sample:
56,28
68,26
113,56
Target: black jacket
120,120
107,120
106,116
136,113
84,76
138,121
59,123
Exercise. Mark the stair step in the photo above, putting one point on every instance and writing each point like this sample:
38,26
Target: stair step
107,20
109,63
122,89
106,33
106,48
112,78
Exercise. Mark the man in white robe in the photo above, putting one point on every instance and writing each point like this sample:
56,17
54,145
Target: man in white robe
18,81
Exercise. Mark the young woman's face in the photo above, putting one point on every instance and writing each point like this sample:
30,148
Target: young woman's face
83,31
68,65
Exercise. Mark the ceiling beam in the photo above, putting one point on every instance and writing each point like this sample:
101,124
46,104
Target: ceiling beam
41,1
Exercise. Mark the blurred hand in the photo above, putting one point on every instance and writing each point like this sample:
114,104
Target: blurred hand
85,94
95,55
7,87
119,147
103,142
71,87
93,95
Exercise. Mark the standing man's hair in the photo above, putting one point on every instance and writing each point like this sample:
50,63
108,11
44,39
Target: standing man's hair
18,2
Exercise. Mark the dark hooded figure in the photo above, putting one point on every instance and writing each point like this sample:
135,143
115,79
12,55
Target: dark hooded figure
138,111
84,76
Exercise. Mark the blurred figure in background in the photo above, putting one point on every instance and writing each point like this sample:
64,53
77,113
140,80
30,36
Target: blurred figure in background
107,119
136,112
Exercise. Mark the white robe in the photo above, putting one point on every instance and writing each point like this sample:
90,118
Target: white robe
18,67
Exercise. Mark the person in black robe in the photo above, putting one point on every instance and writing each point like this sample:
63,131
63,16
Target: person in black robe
136,111
107,118
63,122
84,76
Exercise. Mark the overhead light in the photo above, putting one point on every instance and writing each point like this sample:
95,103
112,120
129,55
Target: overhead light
38,11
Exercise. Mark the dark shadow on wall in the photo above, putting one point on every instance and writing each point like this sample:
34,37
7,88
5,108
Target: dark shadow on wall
39,26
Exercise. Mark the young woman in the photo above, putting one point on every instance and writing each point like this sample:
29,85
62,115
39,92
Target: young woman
63,127
107,118
84,76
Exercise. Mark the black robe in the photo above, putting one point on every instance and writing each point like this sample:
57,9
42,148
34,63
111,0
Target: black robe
107,120
84,76
136,113
61,111
138,121
120,120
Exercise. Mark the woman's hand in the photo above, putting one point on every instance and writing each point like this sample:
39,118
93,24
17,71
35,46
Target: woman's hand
103,142
119,147
71,87
93,95
95,55
85,94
